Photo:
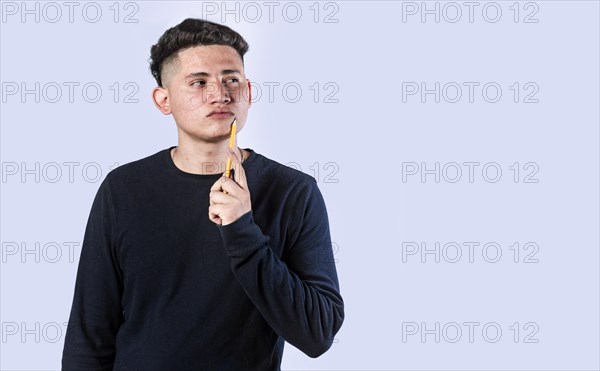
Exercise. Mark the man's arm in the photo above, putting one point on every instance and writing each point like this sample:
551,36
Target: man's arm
96,313
298,296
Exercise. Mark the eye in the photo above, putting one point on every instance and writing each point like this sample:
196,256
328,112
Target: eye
232,81
199,83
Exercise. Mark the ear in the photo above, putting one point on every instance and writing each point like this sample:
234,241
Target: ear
160,96
249,93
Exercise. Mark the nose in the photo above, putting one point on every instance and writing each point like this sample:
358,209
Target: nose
217,93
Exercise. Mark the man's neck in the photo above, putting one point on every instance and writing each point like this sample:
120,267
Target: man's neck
203,159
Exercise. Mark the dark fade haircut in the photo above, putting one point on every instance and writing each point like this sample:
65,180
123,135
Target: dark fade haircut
189,33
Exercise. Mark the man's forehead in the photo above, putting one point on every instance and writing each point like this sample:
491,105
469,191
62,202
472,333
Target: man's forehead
227,71
208,60
209,54
214,61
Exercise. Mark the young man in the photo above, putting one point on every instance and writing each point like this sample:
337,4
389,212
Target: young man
183,268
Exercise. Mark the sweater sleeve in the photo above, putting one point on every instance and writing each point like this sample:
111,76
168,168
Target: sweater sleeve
298,295
96,311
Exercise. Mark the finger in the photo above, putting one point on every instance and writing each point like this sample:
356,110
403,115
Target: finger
219,197
239,172
229,186
220,185
213,214
217,185
213,211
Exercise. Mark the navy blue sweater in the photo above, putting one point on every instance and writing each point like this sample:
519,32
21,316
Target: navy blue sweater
161,287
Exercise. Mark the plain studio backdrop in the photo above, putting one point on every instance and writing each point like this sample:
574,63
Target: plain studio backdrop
455,144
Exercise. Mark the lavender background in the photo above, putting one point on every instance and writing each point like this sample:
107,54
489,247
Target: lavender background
371,144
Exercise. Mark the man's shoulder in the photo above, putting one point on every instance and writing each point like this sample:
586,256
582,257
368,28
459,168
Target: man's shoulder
134,170
266,168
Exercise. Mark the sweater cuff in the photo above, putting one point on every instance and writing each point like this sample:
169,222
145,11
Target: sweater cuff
240,235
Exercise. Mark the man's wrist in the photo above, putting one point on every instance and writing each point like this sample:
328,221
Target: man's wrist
240,234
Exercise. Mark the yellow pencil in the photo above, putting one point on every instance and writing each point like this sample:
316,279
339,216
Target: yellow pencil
231,142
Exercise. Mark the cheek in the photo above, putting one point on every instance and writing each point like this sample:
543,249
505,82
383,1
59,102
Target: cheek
194,101
246,94
186,99
240,95
185,105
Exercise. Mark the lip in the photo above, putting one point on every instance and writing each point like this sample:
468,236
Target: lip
220,114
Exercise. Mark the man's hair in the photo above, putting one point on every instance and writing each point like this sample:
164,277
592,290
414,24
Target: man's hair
189,33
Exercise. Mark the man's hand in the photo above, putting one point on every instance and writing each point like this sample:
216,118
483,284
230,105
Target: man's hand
229,198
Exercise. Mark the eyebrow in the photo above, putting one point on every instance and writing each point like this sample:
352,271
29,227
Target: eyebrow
205,74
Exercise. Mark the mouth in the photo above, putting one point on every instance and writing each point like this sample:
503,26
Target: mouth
219,114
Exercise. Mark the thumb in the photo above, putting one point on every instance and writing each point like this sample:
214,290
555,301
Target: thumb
237,172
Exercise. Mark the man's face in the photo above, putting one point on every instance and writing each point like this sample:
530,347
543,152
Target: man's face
207,89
